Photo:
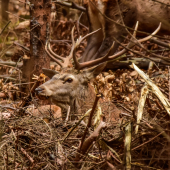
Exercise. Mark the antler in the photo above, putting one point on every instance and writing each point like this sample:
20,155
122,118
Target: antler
64,62
107,58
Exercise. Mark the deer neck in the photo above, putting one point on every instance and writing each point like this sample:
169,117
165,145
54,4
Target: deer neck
80,103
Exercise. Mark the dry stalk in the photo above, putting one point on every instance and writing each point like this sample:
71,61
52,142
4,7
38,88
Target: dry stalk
144,93
154,89
128,138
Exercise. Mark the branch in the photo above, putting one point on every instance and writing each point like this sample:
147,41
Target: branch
90,120
25,48
89,141
71,5
161,3
163,44
159,59
5,27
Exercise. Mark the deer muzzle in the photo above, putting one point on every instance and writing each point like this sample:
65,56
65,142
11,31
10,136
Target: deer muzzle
40,91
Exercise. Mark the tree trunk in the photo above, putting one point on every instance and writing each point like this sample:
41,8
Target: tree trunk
40,12
4,8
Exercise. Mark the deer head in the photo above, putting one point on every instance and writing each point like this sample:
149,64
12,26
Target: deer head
68,87
65,87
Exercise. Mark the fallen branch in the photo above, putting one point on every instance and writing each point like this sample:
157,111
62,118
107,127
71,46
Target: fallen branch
11,63
90,119
163,44
87,143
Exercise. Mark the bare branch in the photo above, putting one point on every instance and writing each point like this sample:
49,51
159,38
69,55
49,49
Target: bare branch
71,5
89,141
5,27
163,44
80,66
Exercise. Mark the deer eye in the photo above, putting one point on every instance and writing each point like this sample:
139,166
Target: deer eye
69,80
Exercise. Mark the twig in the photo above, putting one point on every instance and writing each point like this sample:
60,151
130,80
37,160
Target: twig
11,63
111,166
71,5
6,159
89,141
117,158
16,15
124,107
5,27
11,67
90,119
161,3
148,141
159,59
23,104
27,155
163,44
114,157
148,51
8,107
70,131
48,128
25,48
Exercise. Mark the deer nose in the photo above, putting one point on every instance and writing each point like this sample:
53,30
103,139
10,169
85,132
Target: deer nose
38,90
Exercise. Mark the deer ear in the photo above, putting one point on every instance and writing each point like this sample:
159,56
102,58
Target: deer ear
50,73
94,71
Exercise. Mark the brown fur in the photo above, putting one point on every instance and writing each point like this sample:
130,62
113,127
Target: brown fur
78,93
64,93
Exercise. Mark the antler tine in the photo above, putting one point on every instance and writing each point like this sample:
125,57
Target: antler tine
80,66
102,59
57,61
150,36
129,45
136,27
132,43
56,55
75,45
108,58
65,61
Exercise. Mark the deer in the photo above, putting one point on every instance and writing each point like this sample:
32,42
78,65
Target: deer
70,88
